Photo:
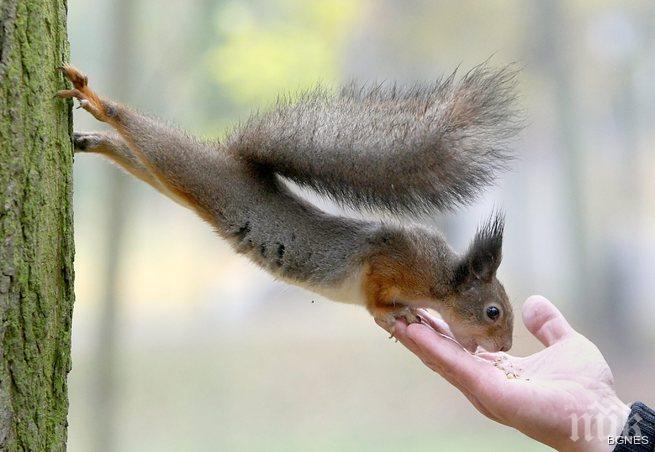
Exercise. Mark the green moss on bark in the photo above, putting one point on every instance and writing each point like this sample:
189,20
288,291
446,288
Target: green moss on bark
36,237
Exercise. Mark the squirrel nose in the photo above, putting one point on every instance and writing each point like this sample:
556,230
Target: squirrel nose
507,345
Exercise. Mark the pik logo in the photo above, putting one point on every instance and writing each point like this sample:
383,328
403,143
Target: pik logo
599,422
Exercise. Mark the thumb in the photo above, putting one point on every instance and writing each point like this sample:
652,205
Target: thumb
545,321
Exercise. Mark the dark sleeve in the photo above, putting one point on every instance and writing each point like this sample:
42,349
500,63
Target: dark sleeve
638,435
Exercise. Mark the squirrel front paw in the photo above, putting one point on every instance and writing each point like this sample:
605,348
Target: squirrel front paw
387,316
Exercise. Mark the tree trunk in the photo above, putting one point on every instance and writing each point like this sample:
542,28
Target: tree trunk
36,236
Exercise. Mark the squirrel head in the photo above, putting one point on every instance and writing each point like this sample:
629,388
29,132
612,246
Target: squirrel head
478,309
417,267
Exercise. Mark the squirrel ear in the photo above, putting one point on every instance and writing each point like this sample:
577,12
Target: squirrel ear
484,254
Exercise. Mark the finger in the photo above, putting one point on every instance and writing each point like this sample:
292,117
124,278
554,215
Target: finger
490,356
454,378
436,323
545,321
400,334
449,359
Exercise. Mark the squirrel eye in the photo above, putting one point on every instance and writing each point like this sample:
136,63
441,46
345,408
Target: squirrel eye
492,312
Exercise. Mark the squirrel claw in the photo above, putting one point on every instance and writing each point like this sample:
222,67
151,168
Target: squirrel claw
88,100
78,79
409,315
83,141
388,320
392,334
68,93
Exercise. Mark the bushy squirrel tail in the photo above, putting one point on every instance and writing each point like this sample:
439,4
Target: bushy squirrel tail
405,150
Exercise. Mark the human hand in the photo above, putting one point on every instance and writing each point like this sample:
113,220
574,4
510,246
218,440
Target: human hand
549,395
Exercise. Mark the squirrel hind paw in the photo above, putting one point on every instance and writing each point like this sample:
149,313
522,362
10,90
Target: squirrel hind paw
77,78
81,91
83,141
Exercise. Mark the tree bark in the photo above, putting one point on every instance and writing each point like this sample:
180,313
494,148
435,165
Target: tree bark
36,235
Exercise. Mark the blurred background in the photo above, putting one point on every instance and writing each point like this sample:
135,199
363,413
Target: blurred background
181,345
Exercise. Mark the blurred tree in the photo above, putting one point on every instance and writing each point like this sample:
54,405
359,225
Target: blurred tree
36,237
615,298
552,27
270,48
117,213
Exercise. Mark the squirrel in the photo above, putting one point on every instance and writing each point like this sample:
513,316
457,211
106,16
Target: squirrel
407,151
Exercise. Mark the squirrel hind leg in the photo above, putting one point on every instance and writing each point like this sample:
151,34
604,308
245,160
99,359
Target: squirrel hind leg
87,98
89,141
79,80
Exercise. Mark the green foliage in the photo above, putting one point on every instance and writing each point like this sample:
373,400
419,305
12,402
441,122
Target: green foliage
291,46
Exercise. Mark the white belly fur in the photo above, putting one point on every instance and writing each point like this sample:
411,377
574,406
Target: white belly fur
349,290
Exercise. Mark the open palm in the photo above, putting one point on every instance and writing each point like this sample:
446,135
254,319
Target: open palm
541,395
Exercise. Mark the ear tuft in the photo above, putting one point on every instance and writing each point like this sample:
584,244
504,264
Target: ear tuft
484,254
